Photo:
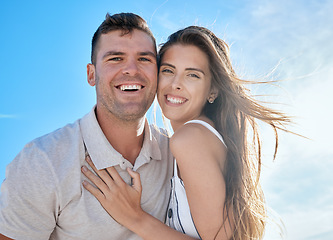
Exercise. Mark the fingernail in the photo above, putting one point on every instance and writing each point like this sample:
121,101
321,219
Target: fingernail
84,183
84,168
88,158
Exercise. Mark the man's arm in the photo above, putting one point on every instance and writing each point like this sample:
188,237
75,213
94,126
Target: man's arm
28,197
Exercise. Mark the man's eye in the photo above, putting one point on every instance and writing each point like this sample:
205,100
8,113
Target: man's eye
143,59
115,59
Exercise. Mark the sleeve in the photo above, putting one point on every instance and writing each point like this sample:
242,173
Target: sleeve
28,199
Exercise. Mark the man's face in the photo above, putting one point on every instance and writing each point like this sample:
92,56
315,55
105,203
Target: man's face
125,74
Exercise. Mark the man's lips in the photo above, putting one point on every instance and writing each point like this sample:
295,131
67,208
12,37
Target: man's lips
130,87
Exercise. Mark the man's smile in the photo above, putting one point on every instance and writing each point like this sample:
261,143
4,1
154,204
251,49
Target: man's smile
129,87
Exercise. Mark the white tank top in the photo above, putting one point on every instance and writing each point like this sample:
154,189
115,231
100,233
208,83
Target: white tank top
179,216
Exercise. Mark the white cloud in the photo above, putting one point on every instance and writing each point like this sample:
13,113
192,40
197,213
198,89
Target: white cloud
166,21
304,224
310,223
299,187
7,116
265,10
313,105
299,184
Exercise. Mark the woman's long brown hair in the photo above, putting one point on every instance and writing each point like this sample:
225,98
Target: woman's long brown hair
235,114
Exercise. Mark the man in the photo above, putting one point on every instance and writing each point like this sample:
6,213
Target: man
42,196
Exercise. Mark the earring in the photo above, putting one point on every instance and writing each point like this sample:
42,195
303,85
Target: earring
211,100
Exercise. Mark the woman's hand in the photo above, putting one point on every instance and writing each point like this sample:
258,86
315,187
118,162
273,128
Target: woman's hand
119,199
122,202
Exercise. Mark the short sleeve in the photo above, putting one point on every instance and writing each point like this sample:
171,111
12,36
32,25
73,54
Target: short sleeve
28,200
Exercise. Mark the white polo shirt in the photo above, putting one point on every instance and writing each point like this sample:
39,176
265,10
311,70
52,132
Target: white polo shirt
42,196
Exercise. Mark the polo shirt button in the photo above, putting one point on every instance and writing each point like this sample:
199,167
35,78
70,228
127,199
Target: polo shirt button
170,213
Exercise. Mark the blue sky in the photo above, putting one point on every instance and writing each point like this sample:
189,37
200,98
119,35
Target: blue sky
45,46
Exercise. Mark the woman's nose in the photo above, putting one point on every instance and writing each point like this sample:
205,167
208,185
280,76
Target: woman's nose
176,83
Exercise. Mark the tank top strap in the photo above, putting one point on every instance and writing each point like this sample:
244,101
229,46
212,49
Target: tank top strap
210,127
175,168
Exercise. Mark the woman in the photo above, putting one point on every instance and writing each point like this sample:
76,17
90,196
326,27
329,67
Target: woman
217,162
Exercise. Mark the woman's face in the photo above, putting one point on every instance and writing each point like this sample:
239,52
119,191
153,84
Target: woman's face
184,83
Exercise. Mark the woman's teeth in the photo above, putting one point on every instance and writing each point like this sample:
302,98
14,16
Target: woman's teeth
175,100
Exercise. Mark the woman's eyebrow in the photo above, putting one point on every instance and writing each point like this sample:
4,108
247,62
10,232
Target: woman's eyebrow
186,69
195,69
168,64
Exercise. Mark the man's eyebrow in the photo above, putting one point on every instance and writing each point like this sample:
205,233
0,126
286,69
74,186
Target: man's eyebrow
148,53
113,53
118,53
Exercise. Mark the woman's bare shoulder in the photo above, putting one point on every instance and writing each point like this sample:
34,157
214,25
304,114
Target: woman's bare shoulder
196,140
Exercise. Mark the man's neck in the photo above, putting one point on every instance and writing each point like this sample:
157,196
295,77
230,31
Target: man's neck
126,137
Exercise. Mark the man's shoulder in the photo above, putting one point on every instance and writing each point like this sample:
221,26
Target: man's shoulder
51,153
62,136
54,149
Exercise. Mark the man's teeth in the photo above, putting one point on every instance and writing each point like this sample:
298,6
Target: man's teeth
130,87
175,100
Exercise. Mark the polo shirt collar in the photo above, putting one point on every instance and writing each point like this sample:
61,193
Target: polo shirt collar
104,155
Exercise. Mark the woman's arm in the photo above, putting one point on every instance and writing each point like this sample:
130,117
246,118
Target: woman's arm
200,158
122,202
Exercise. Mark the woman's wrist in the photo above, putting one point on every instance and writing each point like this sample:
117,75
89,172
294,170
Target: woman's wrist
137,222
143,224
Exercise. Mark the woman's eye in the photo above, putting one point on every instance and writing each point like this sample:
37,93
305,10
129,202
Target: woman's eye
166,70
193,75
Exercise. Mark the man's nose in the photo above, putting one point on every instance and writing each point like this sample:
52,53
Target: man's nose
131,67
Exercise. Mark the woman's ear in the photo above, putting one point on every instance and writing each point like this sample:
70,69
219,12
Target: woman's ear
91,74
212,95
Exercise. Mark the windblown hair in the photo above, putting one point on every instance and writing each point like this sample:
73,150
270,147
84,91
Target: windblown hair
235,114
125,22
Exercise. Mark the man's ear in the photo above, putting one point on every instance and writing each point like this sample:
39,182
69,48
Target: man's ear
91,74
